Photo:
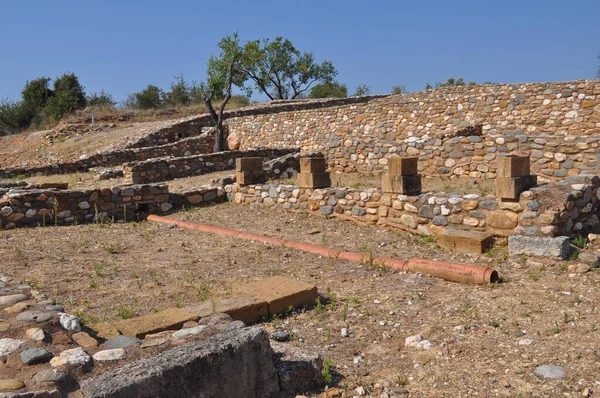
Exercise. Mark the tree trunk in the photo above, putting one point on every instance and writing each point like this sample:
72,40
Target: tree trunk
220,143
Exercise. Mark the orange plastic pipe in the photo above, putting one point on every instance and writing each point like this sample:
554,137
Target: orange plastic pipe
462,273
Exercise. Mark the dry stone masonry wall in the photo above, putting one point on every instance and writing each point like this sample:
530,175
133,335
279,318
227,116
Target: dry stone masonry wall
457,131
163,169
568,207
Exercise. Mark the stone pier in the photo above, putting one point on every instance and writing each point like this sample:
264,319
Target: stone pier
402,177
250,171
513,177
313,173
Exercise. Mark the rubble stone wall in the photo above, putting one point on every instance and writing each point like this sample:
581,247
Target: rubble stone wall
457,131
568,207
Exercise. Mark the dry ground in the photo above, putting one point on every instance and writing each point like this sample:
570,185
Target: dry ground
104,272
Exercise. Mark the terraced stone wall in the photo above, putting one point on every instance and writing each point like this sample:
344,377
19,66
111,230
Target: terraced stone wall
456,131
163,169
562,208
203,143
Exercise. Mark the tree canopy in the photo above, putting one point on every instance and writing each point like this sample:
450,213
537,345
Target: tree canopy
328,90
362,90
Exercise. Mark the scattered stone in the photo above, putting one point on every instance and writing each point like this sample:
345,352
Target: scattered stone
298,370
17,308
110,355
344,332
49,376
121,341
4,326
190,324
558,247
11,385
84,340
280,336
12,299
8,346
33,356
36,334
69,322
169,319
105,330
189,331
61,338
417,341
34,316
550,371
73,358
55,308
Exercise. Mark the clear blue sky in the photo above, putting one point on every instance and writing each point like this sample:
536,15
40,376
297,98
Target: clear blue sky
123,45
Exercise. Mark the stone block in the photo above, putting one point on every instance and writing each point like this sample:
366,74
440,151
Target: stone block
465,241
557,248
513,166
299,371
313,180
169,319
280,293
249,164
250,177
511,187
313,165
406,185
402,166
240,308
237,363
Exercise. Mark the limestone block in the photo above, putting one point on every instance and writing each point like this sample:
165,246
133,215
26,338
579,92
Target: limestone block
513,166
241,308
250,177
558,248
169,319
402,184
249,164
313,165
402,166
280,293
465,241
313,180
511,187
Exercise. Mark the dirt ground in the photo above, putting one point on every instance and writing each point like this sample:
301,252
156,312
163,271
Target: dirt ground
487,340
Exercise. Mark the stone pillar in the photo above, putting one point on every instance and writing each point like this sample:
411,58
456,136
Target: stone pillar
512,177
313,173
250,171
402,177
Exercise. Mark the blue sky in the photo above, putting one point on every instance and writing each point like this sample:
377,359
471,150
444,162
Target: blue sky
122,46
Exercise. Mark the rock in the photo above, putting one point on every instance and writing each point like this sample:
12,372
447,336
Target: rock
234,364
417,341
55,308
61,338
550,371
17,308
4,326
578,268
280,336
105,330
169,319
234,140
84,340
590,258
155,340
69,322
32,356
75,358
558,248
121,341
344,332
49,376
11,385
12,299
34,316
36,334
189,331
110,355
8,346
299,370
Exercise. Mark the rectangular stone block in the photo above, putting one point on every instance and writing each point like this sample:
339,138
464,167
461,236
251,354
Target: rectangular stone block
513,166
511,187
403,166
250,177
557,248
241,308
249,164
465,241
406,185
313,180
280,293
313,165
169,319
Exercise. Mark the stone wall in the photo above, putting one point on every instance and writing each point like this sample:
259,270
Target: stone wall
32,207
563,208
203,143
163,169
454,131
